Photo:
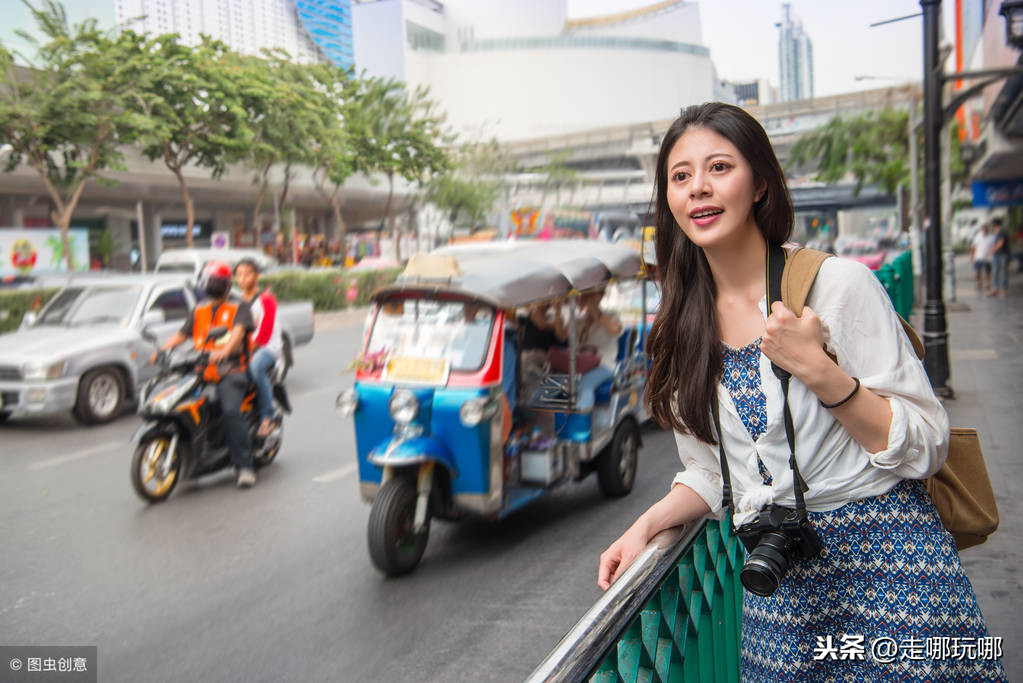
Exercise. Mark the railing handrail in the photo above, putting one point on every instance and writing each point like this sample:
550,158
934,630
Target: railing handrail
585,645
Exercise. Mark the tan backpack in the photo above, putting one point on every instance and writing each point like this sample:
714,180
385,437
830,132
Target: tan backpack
961,489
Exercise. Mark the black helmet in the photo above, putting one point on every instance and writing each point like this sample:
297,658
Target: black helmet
215,279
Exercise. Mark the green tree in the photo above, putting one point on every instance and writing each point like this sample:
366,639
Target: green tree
67,116
557,175
193,105
288,113
473,183
396,133
872,147
334,160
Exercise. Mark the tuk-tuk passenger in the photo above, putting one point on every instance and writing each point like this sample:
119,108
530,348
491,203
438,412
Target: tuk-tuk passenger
597,331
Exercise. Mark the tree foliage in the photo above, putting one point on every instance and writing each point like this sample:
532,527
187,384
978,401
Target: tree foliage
872,147
194,107
68,116
471,186
397,133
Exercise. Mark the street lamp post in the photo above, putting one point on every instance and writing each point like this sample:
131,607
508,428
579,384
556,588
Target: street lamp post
935,323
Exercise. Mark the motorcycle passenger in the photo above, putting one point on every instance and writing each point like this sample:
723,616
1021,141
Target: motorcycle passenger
227,360
266,343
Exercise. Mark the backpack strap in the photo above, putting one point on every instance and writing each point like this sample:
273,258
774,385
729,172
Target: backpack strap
801,268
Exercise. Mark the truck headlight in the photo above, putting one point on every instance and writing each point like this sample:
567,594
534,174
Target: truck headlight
473,411
403,406
346,403
41,372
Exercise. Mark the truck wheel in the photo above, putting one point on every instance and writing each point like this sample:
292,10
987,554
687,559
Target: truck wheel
100,395
616,469
148,467
393,546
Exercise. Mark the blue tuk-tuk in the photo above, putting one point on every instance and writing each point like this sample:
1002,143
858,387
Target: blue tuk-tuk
453,419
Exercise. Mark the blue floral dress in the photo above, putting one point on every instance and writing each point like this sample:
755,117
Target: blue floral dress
885,600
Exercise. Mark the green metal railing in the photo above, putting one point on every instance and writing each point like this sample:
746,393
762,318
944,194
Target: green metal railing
897,278
674,615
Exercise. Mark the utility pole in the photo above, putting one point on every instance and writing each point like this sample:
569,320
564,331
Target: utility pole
935,323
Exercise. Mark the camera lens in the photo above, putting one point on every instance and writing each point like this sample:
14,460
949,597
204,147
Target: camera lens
766,564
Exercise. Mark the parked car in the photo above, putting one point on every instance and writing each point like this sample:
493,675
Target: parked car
85,352
864,251
191,261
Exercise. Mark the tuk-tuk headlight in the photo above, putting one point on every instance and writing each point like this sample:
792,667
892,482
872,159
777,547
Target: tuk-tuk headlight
403,406
346,403
473,411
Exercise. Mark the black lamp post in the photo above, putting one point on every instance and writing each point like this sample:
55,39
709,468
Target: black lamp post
935,324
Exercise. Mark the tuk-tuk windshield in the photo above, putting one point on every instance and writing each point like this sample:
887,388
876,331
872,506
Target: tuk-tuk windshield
455,331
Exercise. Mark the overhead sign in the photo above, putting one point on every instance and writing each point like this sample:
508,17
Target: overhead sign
28,252
998,192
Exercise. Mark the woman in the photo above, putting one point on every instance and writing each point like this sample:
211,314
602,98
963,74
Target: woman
861,444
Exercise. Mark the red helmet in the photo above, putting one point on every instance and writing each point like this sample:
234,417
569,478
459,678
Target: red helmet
215,279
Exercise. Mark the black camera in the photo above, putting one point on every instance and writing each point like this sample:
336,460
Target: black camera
774,540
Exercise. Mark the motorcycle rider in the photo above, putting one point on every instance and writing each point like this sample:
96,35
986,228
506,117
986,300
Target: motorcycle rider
266,343
227,360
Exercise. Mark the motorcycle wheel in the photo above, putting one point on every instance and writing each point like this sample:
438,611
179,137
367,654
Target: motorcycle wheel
147,467
616,468
393,546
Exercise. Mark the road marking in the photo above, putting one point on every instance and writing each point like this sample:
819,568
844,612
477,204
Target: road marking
333,475
88,452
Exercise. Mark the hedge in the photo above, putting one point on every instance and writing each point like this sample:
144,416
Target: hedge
328,289
16,302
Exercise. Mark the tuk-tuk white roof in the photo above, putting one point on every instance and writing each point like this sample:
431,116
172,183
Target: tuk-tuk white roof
511,274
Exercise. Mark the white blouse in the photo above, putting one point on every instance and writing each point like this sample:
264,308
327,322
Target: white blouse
862,329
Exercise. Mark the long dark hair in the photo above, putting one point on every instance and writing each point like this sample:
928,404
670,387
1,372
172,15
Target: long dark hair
684,345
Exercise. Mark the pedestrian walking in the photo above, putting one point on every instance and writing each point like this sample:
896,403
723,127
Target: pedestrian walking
980,256
860,550
1000,252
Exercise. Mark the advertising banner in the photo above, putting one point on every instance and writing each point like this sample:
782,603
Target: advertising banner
998,192
28,252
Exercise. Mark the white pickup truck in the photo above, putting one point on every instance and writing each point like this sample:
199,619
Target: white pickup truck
85,350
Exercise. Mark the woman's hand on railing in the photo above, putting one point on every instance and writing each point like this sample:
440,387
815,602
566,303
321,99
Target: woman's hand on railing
620,554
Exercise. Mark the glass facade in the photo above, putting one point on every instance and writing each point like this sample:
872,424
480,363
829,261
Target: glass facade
329,24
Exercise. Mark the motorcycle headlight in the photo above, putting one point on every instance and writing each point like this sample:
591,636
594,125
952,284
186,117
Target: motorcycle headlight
41,372
473,411
165,401
403,406
346,403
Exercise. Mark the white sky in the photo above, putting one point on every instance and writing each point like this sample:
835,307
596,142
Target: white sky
741,35
743,40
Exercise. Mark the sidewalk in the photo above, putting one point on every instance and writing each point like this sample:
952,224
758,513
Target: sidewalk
985,338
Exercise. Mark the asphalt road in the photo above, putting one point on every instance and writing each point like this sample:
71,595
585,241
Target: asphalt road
275,583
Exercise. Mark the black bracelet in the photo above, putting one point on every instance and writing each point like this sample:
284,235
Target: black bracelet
846,399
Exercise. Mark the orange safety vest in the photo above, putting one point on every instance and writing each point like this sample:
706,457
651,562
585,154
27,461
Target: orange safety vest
205,319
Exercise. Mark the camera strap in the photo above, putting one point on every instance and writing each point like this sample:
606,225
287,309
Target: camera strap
775,269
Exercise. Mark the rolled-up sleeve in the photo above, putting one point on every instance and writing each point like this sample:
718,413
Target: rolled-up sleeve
868,338
702,471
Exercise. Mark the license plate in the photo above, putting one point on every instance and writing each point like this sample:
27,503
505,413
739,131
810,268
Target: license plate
411,369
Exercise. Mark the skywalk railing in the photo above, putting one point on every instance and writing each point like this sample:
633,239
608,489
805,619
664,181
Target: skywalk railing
673,615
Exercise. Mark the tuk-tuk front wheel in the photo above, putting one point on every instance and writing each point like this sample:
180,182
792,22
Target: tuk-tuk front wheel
616,468
394,546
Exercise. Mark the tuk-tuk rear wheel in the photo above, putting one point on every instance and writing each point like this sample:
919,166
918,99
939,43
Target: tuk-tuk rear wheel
393,546
616,468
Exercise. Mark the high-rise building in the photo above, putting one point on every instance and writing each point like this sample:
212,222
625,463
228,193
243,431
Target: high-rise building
309,30
795,58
